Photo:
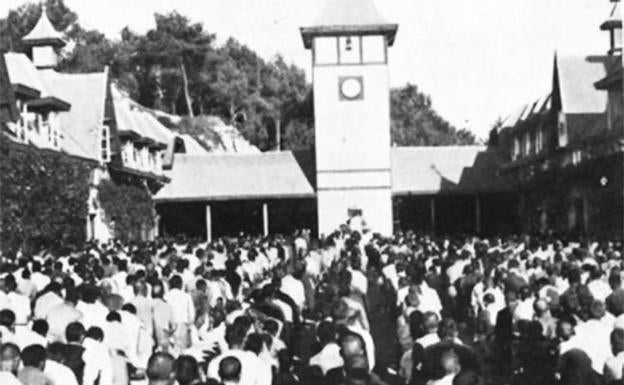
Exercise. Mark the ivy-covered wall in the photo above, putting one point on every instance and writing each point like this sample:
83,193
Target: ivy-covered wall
43,198
128,209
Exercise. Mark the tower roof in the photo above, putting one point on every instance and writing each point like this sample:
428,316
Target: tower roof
615,18
44,33
341,17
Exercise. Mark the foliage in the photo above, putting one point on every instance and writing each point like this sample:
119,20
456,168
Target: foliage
128,209
43,198
415,123
176,67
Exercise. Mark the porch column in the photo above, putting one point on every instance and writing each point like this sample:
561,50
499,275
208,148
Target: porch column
432,213
208,224
477,214
265,219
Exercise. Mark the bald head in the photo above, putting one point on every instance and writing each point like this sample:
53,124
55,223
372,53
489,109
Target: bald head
431,321
352,345
161,369
230,370
540,307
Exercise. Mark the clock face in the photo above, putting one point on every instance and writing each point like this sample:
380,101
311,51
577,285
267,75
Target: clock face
351,88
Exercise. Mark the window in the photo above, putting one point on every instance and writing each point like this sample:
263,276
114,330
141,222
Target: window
105,143
527,143
516,148
325,50
577,157
127,153
562,130
373,49
615,108
349,52
539,140
47,126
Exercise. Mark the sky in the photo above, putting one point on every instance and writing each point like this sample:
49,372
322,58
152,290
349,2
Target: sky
477,59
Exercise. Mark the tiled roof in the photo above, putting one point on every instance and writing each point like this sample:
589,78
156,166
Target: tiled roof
81,126
415,170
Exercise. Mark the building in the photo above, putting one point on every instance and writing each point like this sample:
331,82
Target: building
354,170
564,151
87,117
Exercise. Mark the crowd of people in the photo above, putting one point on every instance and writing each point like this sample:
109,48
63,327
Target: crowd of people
353,308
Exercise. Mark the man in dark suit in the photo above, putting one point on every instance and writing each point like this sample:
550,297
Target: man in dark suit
504,330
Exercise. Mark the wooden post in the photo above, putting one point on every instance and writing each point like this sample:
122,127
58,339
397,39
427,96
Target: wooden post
477,214
265,219
208,224
432,213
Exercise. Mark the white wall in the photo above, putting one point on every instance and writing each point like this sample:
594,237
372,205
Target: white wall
353,148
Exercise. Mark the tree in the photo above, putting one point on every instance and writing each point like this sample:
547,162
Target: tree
415,123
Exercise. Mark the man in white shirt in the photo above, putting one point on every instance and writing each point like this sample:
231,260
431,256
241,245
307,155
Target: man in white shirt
54,369
253,370
329,357
10,359
97,359
293,287
183,312
615,365
592,337
19,303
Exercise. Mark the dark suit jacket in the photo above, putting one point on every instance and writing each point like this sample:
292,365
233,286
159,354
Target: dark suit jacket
72,358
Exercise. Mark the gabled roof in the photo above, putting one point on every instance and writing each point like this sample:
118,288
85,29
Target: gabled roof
44,32
349,16
133,118
577,75
225,177
81,126
447,169
415,170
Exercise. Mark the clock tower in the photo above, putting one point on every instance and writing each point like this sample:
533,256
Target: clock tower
349,44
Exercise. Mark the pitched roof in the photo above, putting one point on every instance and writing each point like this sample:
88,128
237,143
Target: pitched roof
8,106
349,16
23,71
349,12
415,170
81,126
132,117
577,75
448,169
224,177
44,32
